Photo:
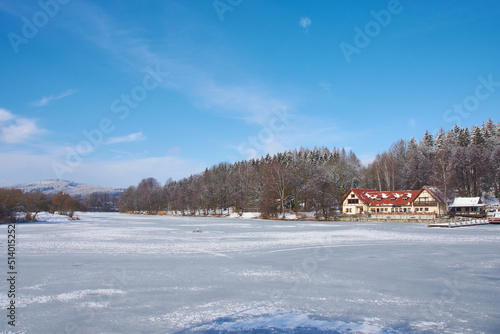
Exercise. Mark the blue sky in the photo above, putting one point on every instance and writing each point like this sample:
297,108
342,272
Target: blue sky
111,92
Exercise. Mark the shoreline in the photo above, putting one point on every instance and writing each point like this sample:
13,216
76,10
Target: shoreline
304,217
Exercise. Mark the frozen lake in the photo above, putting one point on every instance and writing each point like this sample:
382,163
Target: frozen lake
114,273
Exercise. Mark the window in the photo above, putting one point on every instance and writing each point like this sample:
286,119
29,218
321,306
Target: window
353,201
426,209
353,196
393,199
405,199
386,209
379,199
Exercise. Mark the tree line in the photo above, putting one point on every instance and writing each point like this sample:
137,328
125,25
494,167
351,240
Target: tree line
18,206
14,201
460,162
312,180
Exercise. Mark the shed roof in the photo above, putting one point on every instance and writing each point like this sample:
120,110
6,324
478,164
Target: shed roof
467,202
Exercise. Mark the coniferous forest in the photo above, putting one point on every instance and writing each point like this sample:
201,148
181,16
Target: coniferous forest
460,162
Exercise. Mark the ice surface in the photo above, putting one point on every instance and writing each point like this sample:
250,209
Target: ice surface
114,273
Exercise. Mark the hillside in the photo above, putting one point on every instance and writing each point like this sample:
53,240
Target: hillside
68,187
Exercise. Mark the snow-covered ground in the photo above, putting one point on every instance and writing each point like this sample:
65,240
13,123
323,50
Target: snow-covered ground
114,273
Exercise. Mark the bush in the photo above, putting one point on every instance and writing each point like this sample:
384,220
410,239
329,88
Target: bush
29,217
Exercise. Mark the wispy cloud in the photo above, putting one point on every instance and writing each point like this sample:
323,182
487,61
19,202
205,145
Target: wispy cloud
14,129
46,99
305,22
5,115
326,87
252,102
121,153
133,137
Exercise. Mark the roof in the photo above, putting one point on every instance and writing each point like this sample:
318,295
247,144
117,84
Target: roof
435,193
360,193
467,202
373,197
395,198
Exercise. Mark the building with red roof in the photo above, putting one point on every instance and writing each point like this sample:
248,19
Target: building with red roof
428,200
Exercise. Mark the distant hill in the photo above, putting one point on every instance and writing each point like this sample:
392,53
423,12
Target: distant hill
72,188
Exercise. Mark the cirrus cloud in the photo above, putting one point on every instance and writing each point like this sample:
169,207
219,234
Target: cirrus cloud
46,99
133,137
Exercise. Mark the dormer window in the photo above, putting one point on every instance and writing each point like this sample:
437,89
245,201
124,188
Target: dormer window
379,199
404,198
393,199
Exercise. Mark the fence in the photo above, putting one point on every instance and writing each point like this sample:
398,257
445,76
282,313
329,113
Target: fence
456,222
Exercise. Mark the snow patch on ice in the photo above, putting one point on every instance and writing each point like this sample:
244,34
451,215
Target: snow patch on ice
287,322
35,287
95,304
429,325
65,297
263,273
